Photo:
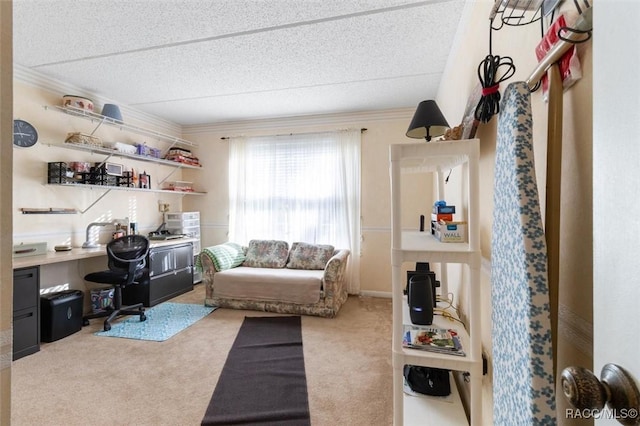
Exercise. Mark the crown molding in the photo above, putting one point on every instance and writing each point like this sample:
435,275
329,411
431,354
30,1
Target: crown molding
36,79
335,119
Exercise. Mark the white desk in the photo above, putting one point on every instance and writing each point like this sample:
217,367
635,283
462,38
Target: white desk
81,253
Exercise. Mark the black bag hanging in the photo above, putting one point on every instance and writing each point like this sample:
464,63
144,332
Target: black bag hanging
427,380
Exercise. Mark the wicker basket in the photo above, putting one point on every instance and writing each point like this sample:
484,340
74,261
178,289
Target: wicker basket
78,138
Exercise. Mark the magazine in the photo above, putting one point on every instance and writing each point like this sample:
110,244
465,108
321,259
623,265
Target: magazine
432,339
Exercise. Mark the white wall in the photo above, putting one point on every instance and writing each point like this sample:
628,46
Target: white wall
30,189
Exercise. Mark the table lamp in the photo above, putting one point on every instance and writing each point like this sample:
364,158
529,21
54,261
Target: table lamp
427,121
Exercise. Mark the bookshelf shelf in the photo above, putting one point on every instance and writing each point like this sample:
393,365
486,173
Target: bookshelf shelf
422,410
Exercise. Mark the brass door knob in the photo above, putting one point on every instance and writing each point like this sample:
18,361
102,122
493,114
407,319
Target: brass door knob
616,388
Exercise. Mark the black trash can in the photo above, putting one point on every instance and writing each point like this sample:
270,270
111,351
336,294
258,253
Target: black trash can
60,314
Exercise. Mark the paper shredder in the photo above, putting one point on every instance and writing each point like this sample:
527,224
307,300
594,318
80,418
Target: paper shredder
60,314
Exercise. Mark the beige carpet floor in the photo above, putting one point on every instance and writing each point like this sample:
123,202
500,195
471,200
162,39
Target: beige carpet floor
85,379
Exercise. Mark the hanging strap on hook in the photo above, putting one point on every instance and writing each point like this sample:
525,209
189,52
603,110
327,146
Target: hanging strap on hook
583,26
488,71
486,91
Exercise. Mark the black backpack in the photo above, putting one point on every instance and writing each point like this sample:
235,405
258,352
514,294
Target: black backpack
427,380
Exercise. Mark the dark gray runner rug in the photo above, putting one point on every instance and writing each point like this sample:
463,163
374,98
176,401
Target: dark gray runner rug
263,380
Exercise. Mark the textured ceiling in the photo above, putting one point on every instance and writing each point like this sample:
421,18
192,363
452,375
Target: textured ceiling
199,62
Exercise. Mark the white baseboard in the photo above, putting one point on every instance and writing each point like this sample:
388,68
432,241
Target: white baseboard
383,294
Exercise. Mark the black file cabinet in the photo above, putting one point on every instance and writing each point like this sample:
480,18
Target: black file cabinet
170,274
26,309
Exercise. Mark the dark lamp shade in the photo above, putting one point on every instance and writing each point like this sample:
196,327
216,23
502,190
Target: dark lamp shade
427,121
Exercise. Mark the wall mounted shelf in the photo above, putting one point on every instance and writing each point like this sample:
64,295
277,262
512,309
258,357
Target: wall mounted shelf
113,153
101,119
108,189
124,188
50,210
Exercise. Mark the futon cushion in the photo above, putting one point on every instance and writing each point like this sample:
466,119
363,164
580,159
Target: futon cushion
267,254
224,256
269,285
309,256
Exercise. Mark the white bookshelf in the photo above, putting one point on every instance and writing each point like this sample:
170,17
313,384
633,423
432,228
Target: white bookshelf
414,246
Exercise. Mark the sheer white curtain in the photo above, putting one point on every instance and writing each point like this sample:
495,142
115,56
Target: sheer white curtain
303,187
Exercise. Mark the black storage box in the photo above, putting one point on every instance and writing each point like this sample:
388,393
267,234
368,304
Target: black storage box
427,380
60,314
59,172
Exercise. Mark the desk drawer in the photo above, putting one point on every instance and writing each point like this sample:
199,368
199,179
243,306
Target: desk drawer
26,292
26,332
159,288
170,285
26,307
171,258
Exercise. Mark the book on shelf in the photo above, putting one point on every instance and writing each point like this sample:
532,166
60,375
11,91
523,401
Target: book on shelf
432,339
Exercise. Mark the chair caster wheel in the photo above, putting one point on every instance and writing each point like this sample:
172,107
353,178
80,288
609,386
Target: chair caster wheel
107,327
143,317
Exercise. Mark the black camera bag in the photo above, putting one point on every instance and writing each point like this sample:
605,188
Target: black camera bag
427,380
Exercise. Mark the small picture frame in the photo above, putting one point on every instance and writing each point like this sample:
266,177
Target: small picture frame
144,181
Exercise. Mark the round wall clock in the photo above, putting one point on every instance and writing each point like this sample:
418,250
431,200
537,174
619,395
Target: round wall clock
24,134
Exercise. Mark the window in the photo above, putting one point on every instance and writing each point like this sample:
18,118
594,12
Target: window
302,187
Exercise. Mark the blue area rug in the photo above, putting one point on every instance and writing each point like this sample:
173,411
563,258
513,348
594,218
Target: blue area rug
163,321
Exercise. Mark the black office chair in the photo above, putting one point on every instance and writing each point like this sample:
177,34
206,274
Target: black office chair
127,265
